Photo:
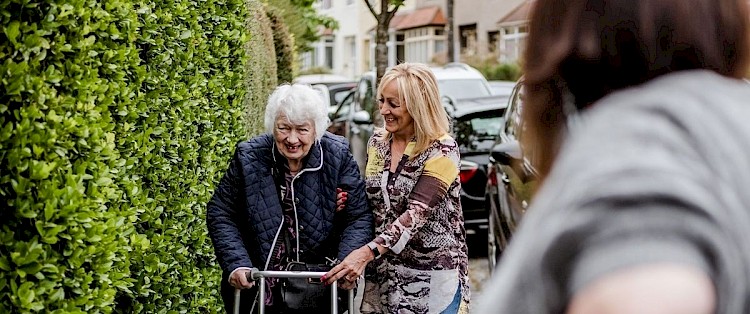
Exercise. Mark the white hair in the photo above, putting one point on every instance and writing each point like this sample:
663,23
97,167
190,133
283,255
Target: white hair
299,103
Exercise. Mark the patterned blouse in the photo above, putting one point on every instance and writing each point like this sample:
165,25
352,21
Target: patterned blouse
418,217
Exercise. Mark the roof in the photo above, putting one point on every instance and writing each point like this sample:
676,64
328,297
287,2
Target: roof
479,106
456,71
519,13
426,16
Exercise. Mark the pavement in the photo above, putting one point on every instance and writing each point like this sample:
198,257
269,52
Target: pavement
479,273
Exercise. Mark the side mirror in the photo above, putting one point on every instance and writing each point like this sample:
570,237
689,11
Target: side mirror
505,153
361,117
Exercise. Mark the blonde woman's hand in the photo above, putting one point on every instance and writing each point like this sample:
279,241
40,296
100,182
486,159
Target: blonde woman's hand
340,199
350,269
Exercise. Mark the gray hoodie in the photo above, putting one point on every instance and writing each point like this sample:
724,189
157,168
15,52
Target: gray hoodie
655,173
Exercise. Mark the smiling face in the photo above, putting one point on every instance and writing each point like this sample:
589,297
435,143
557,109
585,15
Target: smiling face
398,121
293,140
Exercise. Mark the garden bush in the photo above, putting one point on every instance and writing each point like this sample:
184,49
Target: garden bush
178,142
283,45
260,69
67,66
117,118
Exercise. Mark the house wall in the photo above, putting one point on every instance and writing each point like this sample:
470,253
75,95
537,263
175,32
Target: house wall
354,40
485,13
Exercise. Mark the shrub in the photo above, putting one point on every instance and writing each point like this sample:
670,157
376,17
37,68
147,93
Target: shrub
116,121
261,69
177,143
316,70
67,66
283,44
492,69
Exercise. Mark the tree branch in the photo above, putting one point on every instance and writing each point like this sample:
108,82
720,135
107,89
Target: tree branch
372,10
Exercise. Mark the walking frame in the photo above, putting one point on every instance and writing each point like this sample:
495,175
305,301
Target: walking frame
261,276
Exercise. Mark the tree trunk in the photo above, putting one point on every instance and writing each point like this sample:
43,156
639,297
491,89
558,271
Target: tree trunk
381,38
450,34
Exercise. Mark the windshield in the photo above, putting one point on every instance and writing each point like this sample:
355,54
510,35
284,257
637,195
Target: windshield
465,88
477,133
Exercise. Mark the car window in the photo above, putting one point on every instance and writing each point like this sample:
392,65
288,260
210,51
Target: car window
339,96
367,99
463,88
477,131
513,116
344,107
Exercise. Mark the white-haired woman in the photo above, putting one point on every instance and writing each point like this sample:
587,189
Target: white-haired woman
277,200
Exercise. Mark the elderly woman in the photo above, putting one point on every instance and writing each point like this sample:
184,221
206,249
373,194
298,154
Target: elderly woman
276,203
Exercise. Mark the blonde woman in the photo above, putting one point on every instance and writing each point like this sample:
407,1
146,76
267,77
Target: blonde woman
418,260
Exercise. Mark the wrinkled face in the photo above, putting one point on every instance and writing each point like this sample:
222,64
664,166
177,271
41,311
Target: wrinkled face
397,120
293,140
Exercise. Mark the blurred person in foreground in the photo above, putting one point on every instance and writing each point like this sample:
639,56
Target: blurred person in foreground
418,260
276,203
636,115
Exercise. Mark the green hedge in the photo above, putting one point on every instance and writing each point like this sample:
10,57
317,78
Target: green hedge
64,238
283,45
261,69
178,141
116,120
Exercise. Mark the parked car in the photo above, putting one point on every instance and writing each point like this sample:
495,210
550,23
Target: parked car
474,111
501,87
511,181
476,123
334,93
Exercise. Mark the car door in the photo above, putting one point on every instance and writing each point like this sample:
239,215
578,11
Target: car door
516,173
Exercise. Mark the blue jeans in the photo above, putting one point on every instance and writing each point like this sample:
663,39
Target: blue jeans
455,304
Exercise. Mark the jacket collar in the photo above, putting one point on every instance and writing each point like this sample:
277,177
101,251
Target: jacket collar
312,162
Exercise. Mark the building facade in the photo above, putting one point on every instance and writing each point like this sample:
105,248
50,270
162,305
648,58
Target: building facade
418,33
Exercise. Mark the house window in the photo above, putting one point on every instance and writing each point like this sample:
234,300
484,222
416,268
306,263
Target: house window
424,43
493,39
400,49
513,42
468,39
329,52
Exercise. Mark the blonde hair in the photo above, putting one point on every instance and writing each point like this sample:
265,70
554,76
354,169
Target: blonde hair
418,90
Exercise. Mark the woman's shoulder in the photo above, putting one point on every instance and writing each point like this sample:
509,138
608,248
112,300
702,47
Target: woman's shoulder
333,140
260,141
443,145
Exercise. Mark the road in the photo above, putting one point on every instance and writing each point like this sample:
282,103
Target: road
478,275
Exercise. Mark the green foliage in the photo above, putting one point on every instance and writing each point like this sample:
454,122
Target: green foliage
316,70
65,233
493,70
261,68
303,21
283,45
177,142
503,72
116,120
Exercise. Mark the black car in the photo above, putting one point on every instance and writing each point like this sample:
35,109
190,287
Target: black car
511,181
476,123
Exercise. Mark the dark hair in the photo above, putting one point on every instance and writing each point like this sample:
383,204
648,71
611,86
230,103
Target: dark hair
590,48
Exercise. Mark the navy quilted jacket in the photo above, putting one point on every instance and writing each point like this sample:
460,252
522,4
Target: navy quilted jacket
244,215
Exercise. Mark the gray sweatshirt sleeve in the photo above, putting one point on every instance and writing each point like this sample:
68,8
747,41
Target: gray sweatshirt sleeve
640,180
